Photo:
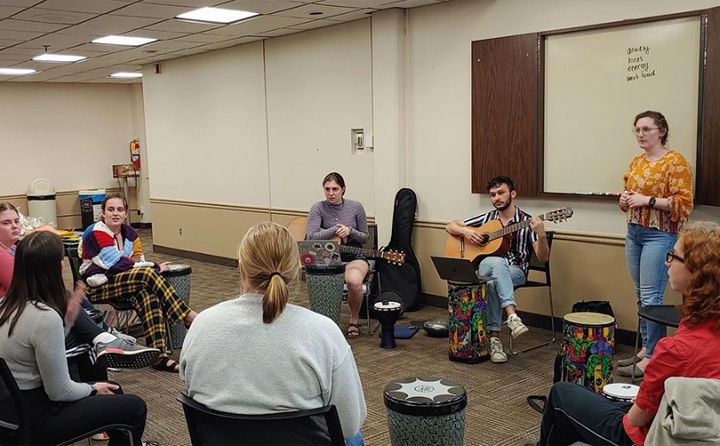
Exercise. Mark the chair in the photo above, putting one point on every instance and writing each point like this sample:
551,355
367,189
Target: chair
304,427
543,267
124,309
668,315
14,422
297,228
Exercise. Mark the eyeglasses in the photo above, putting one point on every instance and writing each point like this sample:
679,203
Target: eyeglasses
643,130
670,256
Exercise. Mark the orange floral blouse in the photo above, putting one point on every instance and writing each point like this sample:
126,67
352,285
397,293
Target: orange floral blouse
670,176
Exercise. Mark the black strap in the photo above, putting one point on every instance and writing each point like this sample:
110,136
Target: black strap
535,400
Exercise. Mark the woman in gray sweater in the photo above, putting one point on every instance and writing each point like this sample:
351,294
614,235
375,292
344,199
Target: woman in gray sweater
286,357
32,333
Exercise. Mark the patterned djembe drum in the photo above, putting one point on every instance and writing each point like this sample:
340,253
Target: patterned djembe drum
178,276
325,289
467,306
425,411
588,346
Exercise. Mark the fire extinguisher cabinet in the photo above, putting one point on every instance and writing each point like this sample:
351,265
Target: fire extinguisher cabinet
41,201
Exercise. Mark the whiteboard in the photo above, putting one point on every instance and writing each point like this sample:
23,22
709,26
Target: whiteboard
597,81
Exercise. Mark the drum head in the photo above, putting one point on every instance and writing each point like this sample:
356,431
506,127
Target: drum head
621,391
387,305
589,319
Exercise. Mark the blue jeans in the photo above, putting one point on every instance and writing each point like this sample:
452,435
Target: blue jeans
500,292
645,250
357,440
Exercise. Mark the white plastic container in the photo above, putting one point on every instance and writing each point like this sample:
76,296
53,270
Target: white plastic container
41,201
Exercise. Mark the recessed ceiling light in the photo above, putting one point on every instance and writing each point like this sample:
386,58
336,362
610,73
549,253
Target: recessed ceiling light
217,15
124,40
58,58
126,75
16,71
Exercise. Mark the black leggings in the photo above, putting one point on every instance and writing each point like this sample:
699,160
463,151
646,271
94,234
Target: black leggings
53,422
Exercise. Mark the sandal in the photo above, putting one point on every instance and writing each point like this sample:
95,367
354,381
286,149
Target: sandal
167,364
353,330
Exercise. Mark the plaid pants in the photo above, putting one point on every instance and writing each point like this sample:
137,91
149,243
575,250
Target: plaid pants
154,300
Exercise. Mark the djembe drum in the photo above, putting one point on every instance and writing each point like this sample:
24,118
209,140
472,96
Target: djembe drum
467,337
178,276
325,289
588,346
425,411
387,313
623,393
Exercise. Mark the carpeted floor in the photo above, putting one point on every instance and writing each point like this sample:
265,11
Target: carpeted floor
497,412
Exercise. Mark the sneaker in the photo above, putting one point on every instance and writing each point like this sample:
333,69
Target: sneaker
497,355
122,354
121,335
517,328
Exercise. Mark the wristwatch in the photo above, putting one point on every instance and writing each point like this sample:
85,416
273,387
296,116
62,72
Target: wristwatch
652,201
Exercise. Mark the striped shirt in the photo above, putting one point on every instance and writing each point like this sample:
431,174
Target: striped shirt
522,240
323,218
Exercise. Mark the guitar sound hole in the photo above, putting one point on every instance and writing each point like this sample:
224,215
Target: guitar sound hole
485,240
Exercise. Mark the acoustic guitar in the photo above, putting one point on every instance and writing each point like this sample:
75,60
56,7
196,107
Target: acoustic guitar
496,237
392,256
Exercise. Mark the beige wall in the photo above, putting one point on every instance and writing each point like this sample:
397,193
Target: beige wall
246,133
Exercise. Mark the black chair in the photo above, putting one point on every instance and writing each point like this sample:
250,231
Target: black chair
543,267
14,422
667,315
304,427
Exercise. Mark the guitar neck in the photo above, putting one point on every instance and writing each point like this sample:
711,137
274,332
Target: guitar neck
511,228
360,251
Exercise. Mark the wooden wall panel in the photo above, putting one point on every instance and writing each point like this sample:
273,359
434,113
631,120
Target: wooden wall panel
504,117
708,160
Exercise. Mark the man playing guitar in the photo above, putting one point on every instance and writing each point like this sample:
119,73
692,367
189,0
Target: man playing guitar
509,271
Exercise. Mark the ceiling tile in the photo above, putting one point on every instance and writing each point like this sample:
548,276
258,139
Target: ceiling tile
6,42
96,6
258,25
18,35
203,38
315,24
259,6
354,3
24,3
99,48
59,40
155,34
109,24
355,15
151,10
29,53
53,16
232,42
407,4
281,32
191,3
7,11
305,11
25,26
181,26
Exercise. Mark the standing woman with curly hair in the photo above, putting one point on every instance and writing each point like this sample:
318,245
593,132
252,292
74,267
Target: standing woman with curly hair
574,413
657,202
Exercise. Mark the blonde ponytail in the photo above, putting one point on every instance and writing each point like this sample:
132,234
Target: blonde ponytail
270,259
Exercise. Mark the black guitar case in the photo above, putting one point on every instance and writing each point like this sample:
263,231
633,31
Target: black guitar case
403,279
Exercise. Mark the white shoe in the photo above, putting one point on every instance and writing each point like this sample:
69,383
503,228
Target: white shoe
497,355
517,328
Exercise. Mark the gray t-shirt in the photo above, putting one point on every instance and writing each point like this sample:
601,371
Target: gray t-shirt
233,362
35,354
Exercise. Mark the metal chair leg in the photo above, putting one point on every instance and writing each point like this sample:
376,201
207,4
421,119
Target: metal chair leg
635,352
552,327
